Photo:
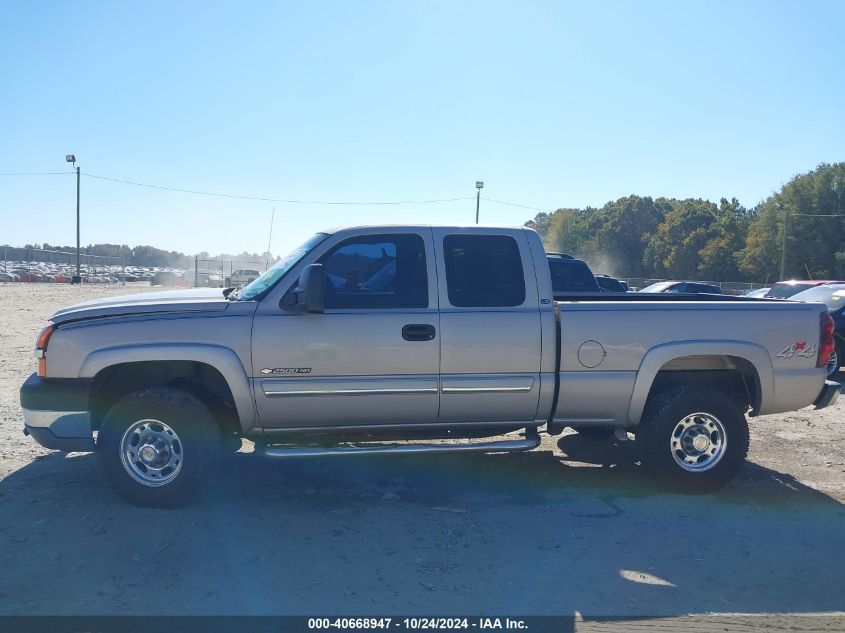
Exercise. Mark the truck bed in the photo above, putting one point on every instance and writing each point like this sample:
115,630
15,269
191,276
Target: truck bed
613,346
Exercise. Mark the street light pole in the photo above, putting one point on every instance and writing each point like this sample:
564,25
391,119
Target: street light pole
478,185
78,274
72,159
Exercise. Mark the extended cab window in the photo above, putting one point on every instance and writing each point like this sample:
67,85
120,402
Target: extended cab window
483,271
377,271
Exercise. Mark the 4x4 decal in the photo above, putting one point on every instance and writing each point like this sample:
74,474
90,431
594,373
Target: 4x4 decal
799,349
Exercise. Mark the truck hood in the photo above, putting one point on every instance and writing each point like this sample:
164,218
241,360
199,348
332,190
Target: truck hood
189,300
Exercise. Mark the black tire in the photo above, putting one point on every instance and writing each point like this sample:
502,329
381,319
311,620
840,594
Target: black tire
195,449
661,419
595,432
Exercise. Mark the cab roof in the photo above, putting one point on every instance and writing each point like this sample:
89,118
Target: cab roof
347,227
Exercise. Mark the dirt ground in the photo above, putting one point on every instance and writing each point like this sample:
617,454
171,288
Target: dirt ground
573,527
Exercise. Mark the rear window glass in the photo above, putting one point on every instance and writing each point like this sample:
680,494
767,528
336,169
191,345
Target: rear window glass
611,284
571,275
483,271
782,291
706,288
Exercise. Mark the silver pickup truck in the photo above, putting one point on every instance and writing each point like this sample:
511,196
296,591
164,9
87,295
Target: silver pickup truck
412,339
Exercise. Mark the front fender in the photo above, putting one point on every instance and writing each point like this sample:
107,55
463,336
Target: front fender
654,360
221,358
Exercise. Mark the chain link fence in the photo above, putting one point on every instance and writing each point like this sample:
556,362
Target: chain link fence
218,273
22,264
36,265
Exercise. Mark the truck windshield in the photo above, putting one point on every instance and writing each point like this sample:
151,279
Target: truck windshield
273,274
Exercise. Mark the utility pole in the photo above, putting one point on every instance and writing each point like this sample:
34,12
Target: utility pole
72,159
478,185
783,244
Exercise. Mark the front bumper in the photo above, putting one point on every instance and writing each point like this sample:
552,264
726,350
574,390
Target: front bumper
829,394
55,413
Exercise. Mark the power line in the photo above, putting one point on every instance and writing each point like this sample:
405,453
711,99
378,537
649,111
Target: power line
325,202
515,204
278,200
262,199
36,173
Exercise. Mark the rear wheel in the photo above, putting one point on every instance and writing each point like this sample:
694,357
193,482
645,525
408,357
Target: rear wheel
694,438
157,446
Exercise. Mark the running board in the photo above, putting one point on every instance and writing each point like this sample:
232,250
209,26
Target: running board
504,446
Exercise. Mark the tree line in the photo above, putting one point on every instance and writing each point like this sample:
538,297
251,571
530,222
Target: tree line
641,236
143,256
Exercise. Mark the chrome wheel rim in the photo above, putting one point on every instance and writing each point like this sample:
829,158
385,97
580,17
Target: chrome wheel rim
151,453
831,362
698,442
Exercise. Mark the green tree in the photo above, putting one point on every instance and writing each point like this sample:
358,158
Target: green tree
673,250
623,230
815,228
728,234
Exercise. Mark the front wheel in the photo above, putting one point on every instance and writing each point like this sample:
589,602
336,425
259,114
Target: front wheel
157,446
694,438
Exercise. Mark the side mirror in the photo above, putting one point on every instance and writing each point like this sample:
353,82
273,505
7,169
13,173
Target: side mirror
311,292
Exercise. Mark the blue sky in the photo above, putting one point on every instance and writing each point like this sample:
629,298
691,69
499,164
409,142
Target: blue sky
552,104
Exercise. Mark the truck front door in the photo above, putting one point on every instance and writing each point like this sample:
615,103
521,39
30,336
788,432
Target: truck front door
372,357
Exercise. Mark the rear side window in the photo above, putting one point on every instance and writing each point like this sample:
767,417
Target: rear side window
572,275
377,271
483,271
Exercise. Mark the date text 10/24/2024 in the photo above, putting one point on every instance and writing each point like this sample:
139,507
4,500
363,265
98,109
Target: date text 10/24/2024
420,623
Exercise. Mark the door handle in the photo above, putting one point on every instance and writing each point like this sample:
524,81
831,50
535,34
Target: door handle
418,332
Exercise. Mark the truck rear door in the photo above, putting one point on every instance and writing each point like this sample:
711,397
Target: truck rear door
490,326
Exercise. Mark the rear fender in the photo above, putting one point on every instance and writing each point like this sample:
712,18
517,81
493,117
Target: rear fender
657,357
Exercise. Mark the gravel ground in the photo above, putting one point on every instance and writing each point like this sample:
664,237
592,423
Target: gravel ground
572,527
